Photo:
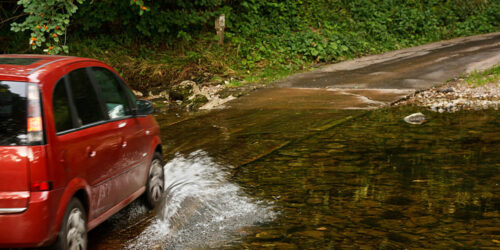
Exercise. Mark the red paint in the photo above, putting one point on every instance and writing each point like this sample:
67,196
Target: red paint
108,161
14,174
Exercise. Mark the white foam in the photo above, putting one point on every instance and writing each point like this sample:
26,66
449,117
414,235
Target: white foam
201,209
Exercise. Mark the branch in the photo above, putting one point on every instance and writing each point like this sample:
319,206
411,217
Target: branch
12,18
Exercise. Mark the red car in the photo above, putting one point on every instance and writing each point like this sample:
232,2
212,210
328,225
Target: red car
75,148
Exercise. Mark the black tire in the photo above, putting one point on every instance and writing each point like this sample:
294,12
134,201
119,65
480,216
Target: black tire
73,233
155,184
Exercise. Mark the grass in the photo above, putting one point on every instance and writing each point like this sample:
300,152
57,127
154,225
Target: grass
491,75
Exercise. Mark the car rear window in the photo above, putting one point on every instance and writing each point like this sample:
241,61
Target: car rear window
18,61
13,112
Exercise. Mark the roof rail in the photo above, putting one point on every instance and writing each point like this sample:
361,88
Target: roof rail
47,63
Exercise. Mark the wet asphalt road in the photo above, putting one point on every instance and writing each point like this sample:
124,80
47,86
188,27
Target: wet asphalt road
414,68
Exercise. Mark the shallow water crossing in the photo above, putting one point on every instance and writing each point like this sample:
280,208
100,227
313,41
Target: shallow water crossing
323,179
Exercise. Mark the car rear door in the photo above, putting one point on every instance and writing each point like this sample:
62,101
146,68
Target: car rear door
133,163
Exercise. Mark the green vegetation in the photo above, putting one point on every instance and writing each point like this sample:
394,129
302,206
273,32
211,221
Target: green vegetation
47,21
265,39
491,75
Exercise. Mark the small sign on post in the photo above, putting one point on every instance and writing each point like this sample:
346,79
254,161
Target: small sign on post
220,25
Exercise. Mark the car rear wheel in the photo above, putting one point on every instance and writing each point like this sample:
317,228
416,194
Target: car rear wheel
156,182
73,233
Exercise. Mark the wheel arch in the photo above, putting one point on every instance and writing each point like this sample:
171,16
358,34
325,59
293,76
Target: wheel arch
82,195
156,145
78,188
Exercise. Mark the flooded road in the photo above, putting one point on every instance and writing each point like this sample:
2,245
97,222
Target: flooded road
377,182
322,178
326,165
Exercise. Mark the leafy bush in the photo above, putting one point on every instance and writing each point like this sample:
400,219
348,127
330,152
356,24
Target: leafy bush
262,36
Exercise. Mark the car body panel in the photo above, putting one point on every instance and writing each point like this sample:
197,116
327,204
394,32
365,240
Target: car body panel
22,230
106,182
14,182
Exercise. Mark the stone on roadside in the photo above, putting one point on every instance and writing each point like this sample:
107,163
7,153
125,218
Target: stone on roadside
137,93
416,118
217,102
164,94
198,101
446,90
184,90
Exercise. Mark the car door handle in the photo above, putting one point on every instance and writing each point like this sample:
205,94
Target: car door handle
62,156
91,153
123,143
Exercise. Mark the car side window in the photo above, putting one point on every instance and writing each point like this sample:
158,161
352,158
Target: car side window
113,93
84,97
60,107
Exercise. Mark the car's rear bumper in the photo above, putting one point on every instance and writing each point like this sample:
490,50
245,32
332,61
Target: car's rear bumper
33,227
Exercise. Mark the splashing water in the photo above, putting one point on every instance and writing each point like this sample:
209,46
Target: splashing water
200,208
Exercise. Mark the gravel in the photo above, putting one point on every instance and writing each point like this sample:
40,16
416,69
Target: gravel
455,96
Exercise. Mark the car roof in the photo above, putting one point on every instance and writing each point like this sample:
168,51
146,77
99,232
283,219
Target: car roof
22,66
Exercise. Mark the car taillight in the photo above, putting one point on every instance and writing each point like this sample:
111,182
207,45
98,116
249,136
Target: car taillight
35,121
41,186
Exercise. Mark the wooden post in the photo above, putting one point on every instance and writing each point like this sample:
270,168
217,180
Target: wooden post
220,25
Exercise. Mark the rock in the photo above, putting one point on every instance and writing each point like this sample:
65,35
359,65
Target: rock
217,102
416,118
446,90
184,91
164,95
198,101
211,90
460,95
137,93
